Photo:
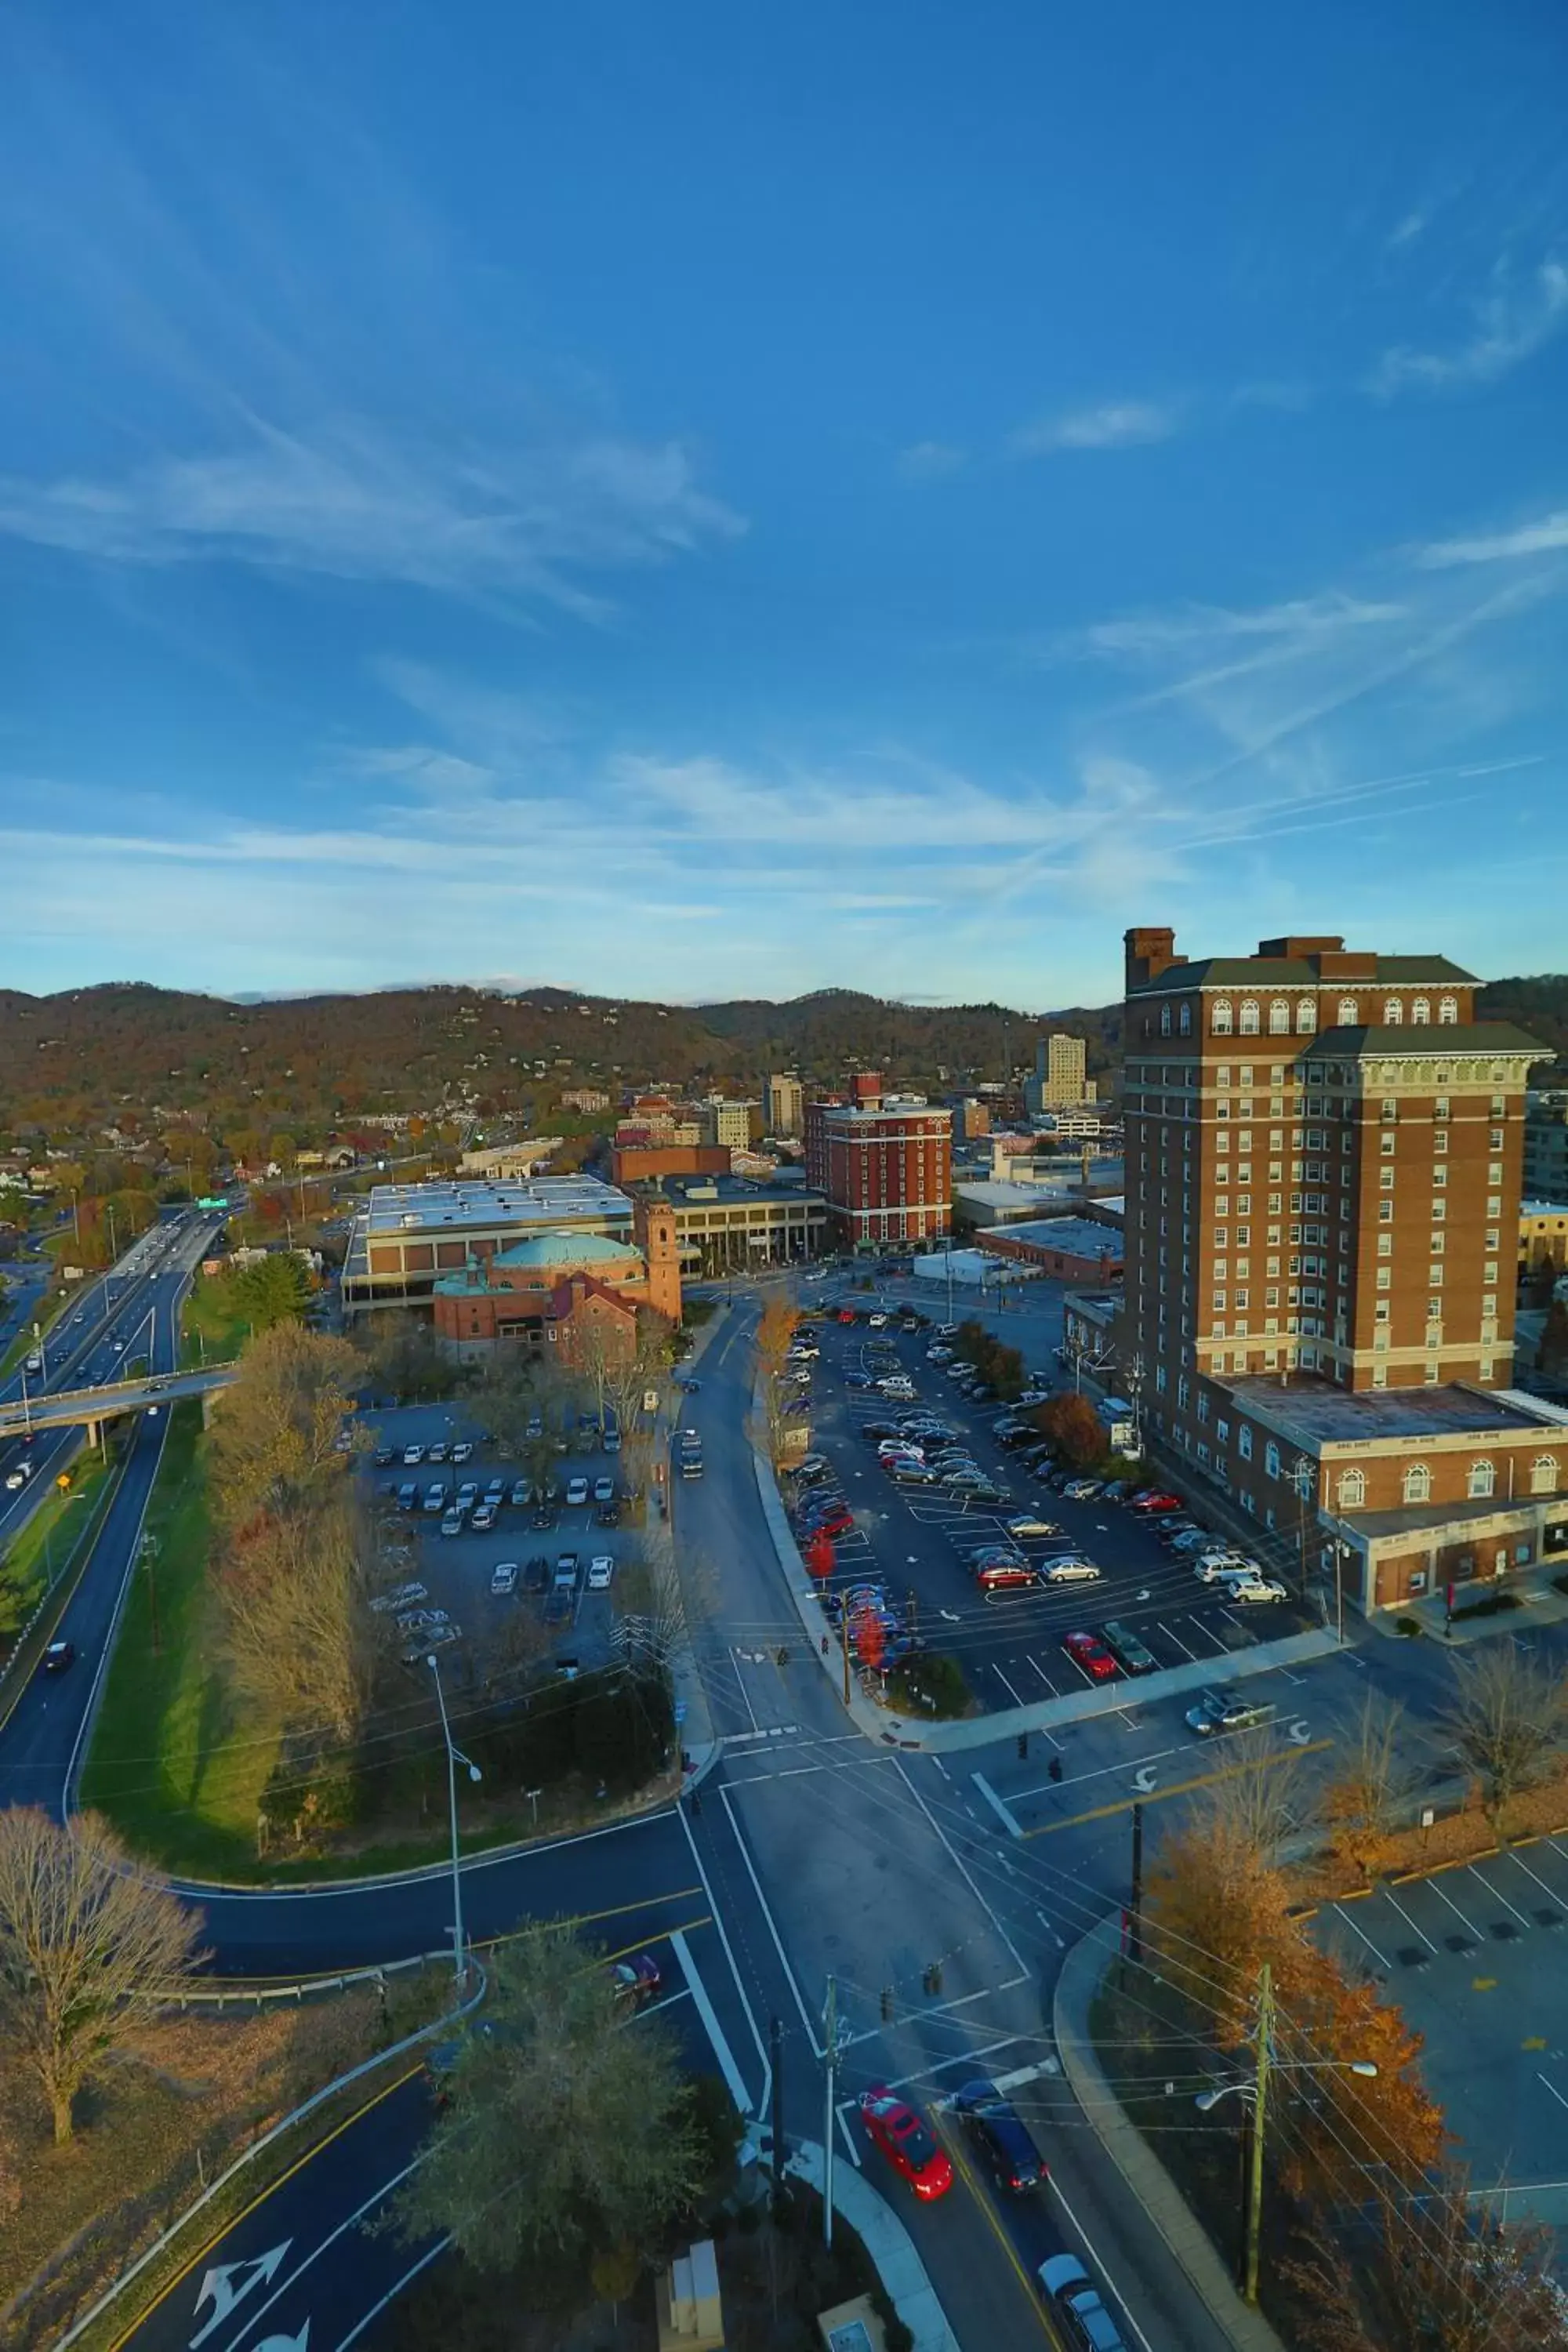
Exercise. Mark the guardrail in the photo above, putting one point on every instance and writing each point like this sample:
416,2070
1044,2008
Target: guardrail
235,1992
59,1408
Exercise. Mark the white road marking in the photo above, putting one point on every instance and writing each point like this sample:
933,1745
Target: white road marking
393,2293
997,1806
1409,1922
817,2049
1501,1898
1553,2089
1367,1940
714,2031
959,1864
1443,1896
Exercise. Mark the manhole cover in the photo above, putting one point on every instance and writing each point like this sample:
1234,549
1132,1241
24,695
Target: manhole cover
1412,1956
1459,1943
1504,1930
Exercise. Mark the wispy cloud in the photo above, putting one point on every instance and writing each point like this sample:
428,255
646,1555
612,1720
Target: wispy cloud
1406,231
1513,321
356,502
1315,618
1544,537
930,461
1116,424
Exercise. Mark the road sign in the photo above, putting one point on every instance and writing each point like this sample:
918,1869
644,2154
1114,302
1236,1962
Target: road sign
650,1400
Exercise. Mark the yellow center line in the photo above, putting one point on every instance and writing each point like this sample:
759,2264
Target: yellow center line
960,2166
1176,1788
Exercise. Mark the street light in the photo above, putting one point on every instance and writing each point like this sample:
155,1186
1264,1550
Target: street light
455,1757
1252,2095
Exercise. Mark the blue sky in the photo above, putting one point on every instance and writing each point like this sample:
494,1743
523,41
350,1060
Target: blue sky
708,501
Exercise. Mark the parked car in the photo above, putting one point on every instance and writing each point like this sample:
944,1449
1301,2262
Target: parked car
1130,1655
412,1457
536,1575
484,1519
1219,1567
1072,1567
435,1498
544,1518
463,1451
407,1495
452,1523
601,1573
576,1491
1227,1711
1006,1576
384,1457
437,1453
1030,1523
1081,1490
1075,2302
1154,1500
1087,1651
603,1490
466,1495
520,1492
903,2139
1001,2135
503,1576
1257,1588
403,1596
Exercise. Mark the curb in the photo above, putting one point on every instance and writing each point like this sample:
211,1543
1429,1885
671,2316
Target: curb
1148,2182
888,2243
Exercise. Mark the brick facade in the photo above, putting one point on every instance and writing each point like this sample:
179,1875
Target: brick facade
883,1164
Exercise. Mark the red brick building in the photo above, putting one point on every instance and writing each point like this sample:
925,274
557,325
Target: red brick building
1071,1249
1323,1159
562,1293
883,1162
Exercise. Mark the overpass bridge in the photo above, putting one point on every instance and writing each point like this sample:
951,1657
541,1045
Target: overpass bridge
89,1408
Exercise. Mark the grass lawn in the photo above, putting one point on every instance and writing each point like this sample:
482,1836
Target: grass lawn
43,1548
171,1764
213,1329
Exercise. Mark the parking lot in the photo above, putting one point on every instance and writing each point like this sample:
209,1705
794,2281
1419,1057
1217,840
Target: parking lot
456,1569
1474,1957
914,1539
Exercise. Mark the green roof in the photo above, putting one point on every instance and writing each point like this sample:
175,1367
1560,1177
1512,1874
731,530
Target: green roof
1447,1043
1301,972
567,1249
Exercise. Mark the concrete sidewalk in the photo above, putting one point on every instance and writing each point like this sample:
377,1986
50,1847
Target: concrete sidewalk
1147,2179
888,2242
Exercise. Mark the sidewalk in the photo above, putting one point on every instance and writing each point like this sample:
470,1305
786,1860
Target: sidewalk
1149,2185
887,2242
1540,1604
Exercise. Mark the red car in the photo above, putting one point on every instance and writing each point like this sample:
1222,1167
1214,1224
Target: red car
1006,1576
846,1314
904,2140
839,1521
1088,1651
638,1980
1156,1502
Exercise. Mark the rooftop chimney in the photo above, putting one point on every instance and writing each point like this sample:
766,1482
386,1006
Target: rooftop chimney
1149,953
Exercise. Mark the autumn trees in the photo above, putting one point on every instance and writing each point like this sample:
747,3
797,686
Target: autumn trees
88,1944
1074,1429
1506,1718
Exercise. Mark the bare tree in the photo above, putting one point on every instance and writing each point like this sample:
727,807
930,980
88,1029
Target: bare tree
1373,1778
1262,1798
88,1944
301,1640
274,1440
1506,1718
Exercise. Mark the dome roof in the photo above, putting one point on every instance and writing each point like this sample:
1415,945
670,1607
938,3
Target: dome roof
568,1249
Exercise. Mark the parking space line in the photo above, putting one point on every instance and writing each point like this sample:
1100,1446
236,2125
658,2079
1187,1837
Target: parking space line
1006,1686
1171,1636
1502,1898
1367,1940
1410,1923
1545,1887
1553,2089
1444,1896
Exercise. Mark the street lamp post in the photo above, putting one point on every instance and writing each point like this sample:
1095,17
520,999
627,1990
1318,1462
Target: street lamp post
455,1757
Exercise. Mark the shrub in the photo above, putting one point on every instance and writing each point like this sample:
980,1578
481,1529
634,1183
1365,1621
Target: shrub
1492,1606
929,1686
1409,1626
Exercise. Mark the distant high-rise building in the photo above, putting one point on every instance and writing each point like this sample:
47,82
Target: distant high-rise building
1546,1145
1060,1081
785,1106
721,1121
884,1162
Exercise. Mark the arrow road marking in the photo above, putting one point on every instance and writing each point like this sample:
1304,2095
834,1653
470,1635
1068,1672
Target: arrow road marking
1300,1733
1143,1779
220,2286
287,2343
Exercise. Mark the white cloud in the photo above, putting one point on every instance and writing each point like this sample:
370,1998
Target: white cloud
1406,231
357,503
1314,618
1544,537
930,461
1117,424
1513,322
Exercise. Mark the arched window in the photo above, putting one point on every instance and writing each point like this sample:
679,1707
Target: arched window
1421,1013
1271,1459
1165,1020
1418,1484
1250,1017
1393,1013
1350,1013
1447,1012
1306,1016
1543,1475
1184,1020
1483,1479
1220,1019
1279,1018
1351,1489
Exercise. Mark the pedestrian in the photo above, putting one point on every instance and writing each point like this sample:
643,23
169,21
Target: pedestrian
1056,1767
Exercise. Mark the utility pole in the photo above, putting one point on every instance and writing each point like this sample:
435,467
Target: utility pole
830,2038
1135,1910
1259,2104
843,1640
776,2060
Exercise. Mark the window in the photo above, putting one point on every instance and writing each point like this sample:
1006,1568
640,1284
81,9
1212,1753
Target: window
1385,1277
1385,1213
1250,1017
1439,1143
1219,1021
1387,1142
1439,1243
1417,1483
1271,1459
1440,1211
1421,1013
1482,1480
1440,1108
1351,1489
1184,1021
1306,1016
1165,1020
1279,1018
1202,1404
1385,1175
1243,1440
1447,1012
1439,1175
1390,1110
1543,1475
1350,1013
1393,1013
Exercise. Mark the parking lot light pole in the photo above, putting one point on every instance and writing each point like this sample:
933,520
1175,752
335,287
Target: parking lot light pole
455,1757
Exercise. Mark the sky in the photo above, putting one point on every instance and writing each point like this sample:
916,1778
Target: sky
702,501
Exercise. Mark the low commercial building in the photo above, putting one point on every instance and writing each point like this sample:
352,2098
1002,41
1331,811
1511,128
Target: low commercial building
511,1163
1090,1330
1072,1248
1545,1168
564,1295
726,1224
1542,1236
648,1163
408,1234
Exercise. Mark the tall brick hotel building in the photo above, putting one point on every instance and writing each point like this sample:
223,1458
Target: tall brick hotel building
1323,1168
883,1162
